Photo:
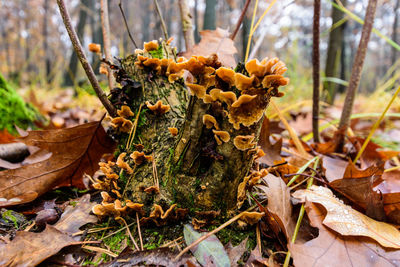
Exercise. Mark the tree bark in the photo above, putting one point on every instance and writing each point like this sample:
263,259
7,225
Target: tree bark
210,15
334,48
71,73
187,27
45,42
315,61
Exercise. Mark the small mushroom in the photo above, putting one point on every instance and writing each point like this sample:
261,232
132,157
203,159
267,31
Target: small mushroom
209,121
152,189
103,69
254,67
106,197
134,206
242,82
243,142
99,210
153,63
125,112
94,48
158,108
243,99
118,206
140,157
122,164
257,152
250,218
168,212
150,46
122,124
227,75
196,89
227,97
157,211
221,135
274,80
173,131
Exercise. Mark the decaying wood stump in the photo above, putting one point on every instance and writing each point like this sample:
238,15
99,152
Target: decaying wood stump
217,112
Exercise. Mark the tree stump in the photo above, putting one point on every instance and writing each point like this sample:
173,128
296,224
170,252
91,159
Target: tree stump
217,112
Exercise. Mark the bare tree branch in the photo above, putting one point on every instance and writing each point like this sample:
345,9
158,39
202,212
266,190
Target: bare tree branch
82,58
316,65
186,24
105,26
126,24
239,23
356,72
164,28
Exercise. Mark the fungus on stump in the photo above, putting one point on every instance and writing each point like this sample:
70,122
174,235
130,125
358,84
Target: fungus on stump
216,114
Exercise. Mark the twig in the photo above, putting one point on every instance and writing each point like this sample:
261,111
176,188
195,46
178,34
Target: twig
356,72
139,232
82,58
105,27
222,226
239,23
164,28
187,26
101,250
315,62
129,232
126,24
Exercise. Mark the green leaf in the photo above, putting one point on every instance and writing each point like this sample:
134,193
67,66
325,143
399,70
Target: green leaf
207,251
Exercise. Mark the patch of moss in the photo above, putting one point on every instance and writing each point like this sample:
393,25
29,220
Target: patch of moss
15,111
158,53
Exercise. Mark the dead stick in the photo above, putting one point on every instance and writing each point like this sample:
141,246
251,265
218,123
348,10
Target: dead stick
161,19
105,27
315,62
82,58
222,226
126,24
356,72
187,26
239,23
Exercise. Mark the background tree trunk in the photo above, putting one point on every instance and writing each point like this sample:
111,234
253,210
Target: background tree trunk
209,15
45,41
72,70
395,29
334,50
97,34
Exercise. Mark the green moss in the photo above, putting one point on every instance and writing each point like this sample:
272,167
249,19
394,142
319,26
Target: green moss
9,217
158,53
15,112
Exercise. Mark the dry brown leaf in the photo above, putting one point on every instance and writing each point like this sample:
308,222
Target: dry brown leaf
215,42
75,151
272,151
30,249
279,205
347,221
332,249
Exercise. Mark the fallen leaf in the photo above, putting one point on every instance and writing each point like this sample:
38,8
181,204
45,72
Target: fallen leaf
75,151
332,249
347,221
6,137
235,253
30,249
279,205
256,259
208,251
272,151
215,42
155,257
334,168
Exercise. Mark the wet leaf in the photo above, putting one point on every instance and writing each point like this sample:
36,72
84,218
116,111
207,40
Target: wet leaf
235,253
347,221
215,42
75,151
332,249
208,251
279,205
30,249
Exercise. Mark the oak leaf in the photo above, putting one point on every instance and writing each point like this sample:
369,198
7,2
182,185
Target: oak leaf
75,151
347,221
332,249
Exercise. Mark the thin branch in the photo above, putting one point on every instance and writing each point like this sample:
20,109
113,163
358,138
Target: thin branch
239,23
126,24
356,72
82,58
316,65
187,26
105,26
164,28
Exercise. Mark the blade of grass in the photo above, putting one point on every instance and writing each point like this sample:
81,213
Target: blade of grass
262,16
251,29
301,170
376,125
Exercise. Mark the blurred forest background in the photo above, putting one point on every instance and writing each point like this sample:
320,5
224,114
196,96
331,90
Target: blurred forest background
35,49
